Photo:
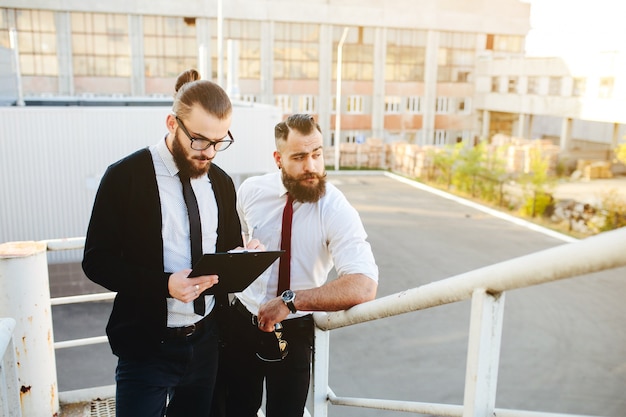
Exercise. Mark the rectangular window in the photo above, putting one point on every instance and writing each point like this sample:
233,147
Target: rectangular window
533,85
512,88
100,45
247,35
456,56
354,104
306,104
406,55
505,43
495,84
414,104
441,137
169,45
248,98
357,53
392,104
442,105
4,29
296,51
606,87
554,86
283,102
463,105
579,87
36,41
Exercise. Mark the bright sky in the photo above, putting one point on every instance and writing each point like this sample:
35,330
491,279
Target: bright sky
571,27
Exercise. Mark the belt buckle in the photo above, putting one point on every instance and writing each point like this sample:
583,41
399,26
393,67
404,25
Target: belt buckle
190,330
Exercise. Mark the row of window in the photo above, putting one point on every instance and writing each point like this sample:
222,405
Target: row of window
355,104
100,46
552,86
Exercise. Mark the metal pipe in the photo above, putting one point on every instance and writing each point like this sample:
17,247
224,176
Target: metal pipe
565,261
338,98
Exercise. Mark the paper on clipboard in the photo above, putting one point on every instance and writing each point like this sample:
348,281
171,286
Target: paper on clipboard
237,269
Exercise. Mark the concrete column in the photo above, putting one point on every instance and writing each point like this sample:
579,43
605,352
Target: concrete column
203,38
267,60
566,133
378,102
232,76
484,132
615,138
25,297
138,75
325,93
64,53
430,87
521,126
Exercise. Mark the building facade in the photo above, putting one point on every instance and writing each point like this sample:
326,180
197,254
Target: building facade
408,67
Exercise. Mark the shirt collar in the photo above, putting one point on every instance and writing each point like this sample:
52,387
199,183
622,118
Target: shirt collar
280,187
167,157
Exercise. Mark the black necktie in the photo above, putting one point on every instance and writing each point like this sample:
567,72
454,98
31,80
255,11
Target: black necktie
195,235
284,265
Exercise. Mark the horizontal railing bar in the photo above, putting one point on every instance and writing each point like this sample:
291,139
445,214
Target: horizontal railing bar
441,410
69,243
80,342
85,298
564,261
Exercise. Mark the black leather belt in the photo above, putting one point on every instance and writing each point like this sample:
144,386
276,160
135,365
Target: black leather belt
303,321
187,331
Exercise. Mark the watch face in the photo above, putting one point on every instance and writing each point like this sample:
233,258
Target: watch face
287,295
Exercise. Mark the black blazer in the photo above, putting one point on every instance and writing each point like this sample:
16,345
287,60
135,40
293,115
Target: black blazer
124,250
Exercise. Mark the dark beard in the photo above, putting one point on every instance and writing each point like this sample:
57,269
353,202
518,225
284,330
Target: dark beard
303,193
185,168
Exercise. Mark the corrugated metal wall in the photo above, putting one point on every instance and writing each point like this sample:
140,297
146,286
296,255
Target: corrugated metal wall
52,158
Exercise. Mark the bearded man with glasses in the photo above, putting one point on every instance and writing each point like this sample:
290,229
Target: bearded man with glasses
155,213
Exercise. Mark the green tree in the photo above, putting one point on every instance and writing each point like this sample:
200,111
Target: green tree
537,184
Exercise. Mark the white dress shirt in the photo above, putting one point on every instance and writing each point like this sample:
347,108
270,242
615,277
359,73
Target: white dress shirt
175,227
324,234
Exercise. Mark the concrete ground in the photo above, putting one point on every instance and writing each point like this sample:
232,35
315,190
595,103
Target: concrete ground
563,347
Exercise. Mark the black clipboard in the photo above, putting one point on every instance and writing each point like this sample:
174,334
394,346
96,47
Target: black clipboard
236,269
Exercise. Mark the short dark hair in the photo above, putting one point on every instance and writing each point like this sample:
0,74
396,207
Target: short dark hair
303,123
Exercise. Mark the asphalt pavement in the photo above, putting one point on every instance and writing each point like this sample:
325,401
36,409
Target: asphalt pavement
563,347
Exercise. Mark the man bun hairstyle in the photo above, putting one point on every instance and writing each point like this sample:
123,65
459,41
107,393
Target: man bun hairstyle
191,89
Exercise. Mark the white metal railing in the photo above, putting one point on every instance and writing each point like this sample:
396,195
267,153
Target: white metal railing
9,391
486,288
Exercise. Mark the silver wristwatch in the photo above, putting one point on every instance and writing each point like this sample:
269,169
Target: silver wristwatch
288,297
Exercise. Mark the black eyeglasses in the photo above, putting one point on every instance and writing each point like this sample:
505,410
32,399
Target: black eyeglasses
282,345
200,144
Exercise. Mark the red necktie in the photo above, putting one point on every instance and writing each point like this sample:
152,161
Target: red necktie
284,269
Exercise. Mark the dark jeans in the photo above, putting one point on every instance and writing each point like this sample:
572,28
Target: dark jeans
287,380
184,370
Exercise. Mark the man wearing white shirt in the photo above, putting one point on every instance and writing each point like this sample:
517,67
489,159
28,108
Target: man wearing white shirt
141,243
271,330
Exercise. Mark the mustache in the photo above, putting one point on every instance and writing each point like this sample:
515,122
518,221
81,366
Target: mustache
202,158
311,175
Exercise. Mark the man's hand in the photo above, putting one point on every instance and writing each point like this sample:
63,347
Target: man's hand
188,289
272,312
